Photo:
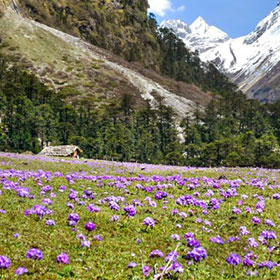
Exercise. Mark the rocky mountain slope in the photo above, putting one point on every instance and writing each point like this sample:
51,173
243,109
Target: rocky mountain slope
252,61
81,70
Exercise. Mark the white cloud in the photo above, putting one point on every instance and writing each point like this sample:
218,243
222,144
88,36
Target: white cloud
160,7
181,8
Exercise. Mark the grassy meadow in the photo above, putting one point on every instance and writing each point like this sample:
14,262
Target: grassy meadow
136,221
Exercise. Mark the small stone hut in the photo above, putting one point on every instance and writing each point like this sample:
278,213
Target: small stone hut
62,151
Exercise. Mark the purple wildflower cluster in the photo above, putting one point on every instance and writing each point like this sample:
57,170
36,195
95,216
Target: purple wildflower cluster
62,258
157,202
130,210
4,262
34,254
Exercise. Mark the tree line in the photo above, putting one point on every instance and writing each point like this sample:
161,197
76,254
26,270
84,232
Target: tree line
232,131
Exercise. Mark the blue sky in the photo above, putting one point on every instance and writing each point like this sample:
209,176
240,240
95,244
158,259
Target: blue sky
235,17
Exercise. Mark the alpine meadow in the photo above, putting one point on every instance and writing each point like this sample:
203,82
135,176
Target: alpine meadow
136,150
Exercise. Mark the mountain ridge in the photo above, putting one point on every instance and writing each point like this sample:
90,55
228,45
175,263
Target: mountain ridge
249,61
195,35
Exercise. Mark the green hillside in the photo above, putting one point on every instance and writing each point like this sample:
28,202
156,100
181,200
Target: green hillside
125,28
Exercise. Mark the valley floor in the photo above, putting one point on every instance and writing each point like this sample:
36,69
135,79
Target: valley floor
92,219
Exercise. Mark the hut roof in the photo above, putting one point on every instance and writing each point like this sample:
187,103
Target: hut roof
62,151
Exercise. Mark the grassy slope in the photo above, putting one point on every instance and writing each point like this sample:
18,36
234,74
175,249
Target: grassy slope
59,64
80,72
108,259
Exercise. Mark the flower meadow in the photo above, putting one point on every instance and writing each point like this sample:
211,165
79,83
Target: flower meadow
64,219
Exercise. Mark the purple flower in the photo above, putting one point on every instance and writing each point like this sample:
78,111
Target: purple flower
70,205
189,235
146,270
4,262
156,254
85,243
267,264
260,205
268,234
243,231
152,203
73,195
47,201
192,243
73,217
23,192
248,209
252,242
131,265
247,261
208,223
175,236
39,210
236,211
62,258
114,206
183,214
115,218
46,188
197,254
174,212
98,237
34,254
90,226
231,239
92,208
269,223
50,222
149,222
255,220
176,267
217,240
21,271
81,236
130,210
62,188
276,196
172,256
233,259
160,195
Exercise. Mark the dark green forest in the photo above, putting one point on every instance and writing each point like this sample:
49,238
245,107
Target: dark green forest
233,131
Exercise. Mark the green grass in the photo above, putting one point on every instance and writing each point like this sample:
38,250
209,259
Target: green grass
41,49
108,259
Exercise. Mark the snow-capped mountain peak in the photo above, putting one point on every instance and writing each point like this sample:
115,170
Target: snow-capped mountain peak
199,35
202,28
271,21
180,28
252,61
199,25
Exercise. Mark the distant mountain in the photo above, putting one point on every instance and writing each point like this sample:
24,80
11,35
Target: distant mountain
252,61
199,35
